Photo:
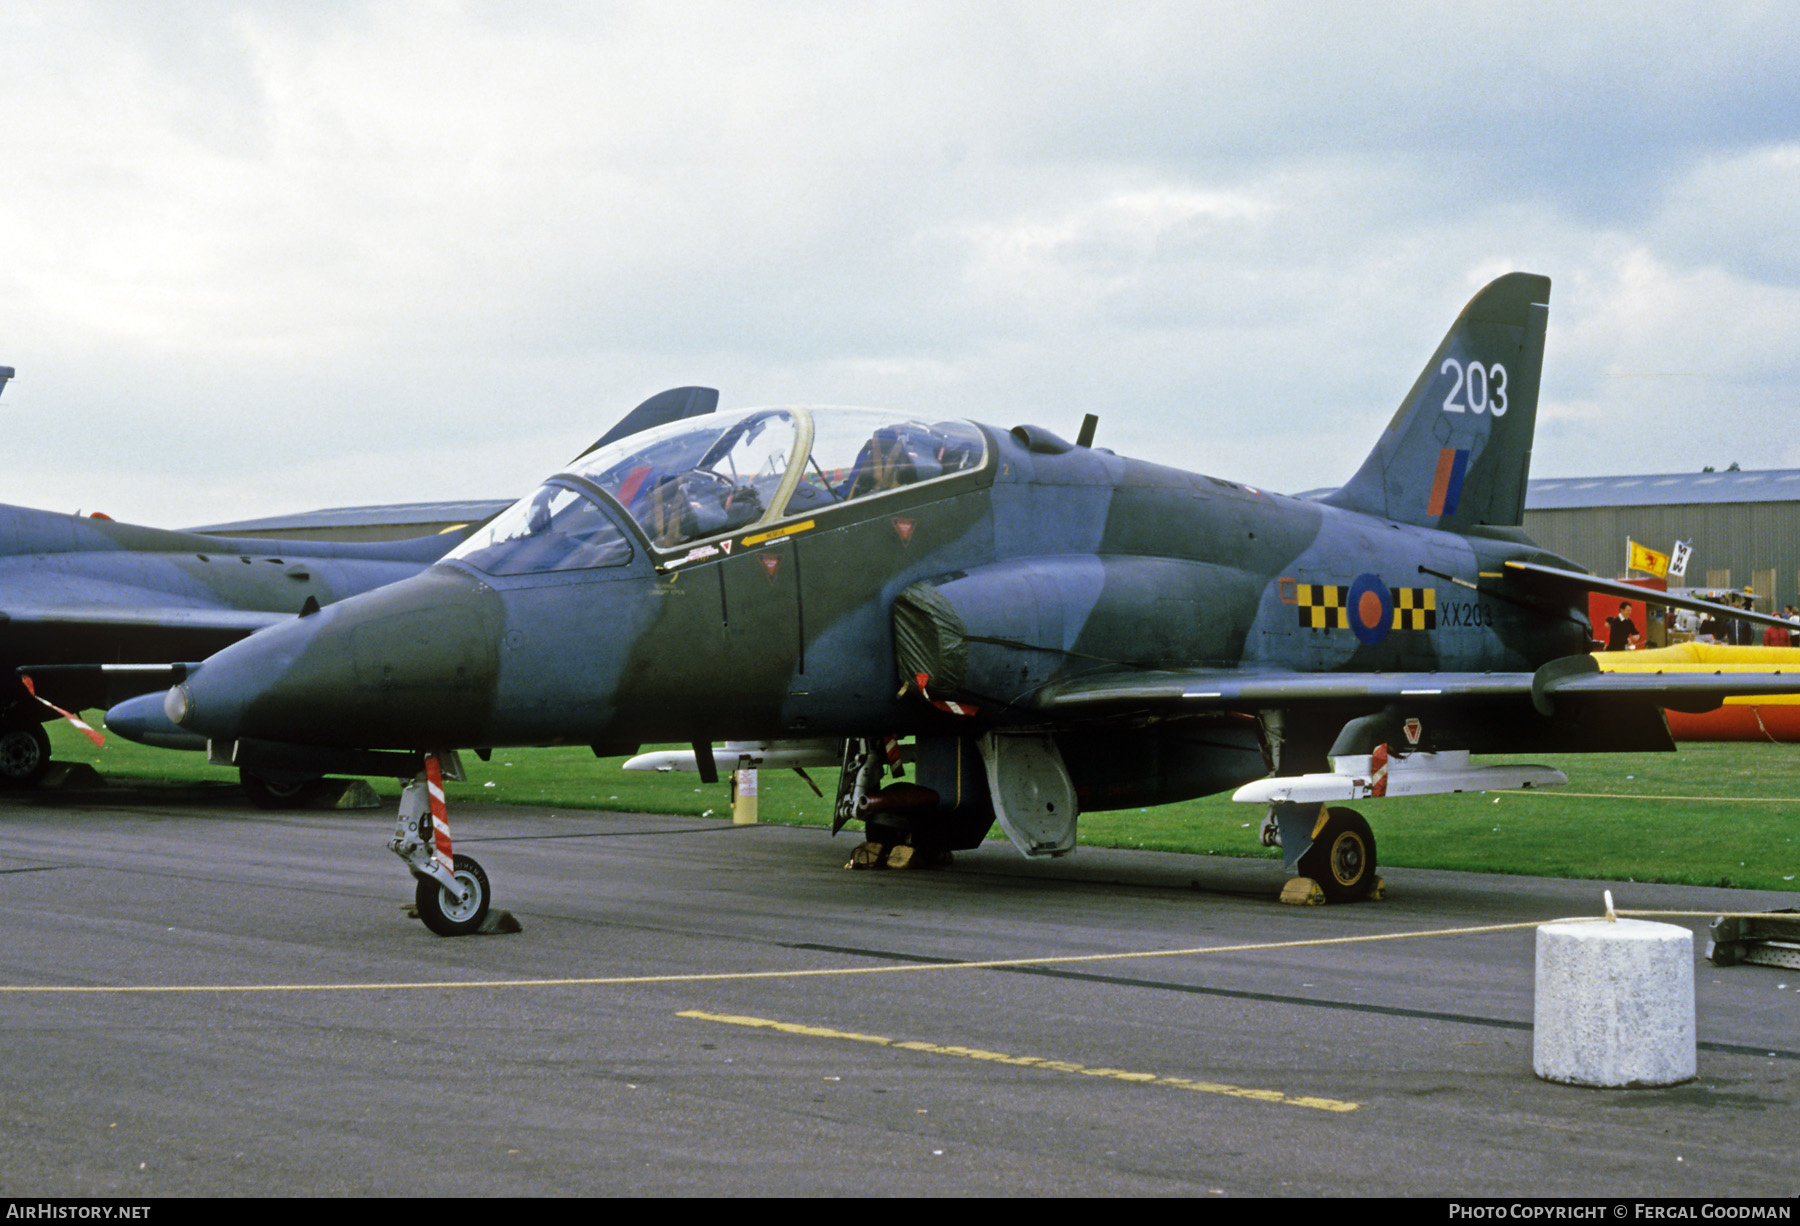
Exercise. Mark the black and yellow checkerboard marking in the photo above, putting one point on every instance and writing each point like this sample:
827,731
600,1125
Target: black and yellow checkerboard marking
1415,608
1325,606
1322,606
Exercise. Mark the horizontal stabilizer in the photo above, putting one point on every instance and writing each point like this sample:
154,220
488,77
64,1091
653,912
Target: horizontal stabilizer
1556,579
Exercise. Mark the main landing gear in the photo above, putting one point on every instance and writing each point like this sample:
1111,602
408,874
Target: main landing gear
280,792
452,893
24,752
1330,851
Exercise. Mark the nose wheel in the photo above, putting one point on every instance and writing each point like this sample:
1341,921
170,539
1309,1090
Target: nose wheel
455,915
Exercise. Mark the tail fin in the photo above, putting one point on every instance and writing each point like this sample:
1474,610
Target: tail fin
1458,451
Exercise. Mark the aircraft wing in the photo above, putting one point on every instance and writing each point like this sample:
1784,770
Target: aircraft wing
89,617
1116,692
73,652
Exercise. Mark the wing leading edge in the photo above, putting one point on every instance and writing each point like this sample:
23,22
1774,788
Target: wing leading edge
1114,693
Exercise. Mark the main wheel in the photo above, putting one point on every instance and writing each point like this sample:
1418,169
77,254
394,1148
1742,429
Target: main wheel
24,754
279,794
1342,857
445,915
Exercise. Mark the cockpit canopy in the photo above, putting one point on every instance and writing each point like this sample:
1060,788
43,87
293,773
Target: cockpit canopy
710,476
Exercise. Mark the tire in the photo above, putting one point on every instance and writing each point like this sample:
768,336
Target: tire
442,914
282,794
24,754
1342,857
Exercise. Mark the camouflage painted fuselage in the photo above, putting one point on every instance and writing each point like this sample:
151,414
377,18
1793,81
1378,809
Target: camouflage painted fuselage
84,591
1060,561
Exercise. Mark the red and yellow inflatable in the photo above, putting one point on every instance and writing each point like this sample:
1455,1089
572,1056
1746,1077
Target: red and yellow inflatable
1763,718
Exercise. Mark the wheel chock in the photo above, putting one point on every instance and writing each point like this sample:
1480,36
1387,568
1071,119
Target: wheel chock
70,775
868,855
498,922
1302,892
353,794
905,855
495,923
1305,892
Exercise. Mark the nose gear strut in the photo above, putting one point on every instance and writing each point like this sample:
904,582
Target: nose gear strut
452,894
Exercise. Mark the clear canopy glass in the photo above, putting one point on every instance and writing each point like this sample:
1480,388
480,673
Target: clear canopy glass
716,474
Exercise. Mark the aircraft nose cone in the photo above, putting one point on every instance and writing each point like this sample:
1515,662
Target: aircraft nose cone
144,719
408,666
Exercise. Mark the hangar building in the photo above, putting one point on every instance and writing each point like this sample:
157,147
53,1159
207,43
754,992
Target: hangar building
389,522
1744,525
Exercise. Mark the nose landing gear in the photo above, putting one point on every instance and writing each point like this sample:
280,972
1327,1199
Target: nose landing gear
452,895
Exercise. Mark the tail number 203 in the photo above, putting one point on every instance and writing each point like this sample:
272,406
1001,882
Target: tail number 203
1482,388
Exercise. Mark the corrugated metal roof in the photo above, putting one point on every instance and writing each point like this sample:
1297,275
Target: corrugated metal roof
369,516
1664,489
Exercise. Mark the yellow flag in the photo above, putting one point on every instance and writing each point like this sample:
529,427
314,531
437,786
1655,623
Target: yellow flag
1646,560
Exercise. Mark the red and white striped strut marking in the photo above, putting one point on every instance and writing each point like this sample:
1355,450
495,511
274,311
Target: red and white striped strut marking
93,736
440,821
1378,766
954,708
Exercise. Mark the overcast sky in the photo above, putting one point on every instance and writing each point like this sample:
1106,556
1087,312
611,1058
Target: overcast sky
261,258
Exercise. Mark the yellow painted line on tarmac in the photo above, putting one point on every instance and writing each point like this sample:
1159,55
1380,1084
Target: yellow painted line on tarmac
1272,1097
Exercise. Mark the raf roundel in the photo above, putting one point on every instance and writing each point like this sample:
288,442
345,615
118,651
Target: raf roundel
1371,609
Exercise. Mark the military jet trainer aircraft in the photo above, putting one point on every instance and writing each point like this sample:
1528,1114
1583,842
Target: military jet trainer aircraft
1057,627
93,611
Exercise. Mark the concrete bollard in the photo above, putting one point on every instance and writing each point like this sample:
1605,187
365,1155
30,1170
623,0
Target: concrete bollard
1615,1004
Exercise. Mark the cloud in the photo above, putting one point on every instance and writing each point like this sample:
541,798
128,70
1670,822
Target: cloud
264,257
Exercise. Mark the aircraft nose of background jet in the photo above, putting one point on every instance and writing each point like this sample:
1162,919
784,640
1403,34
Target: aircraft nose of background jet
408,666
143,719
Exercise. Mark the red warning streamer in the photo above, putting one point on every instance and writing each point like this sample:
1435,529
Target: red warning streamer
93,736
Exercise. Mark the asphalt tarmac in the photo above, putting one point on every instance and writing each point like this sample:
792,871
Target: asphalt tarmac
327,1049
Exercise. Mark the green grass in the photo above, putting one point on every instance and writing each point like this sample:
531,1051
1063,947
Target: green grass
1623,816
